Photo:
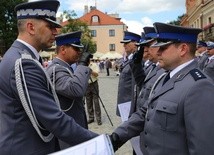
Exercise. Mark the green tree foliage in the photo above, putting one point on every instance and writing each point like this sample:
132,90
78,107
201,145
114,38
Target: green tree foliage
178,21
74,24
8,23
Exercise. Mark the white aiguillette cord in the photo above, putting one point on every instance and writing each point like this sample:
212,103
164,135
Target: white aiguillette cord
25,99
54,82
156,83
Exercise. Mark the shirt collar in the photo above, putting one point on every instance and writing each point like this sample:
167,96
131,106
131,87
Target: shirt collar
203,53
63,61
130,56
211,57
177,69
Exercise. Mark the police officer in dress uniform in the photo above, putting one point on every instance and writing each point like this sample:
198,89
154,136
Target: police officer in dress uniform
150,36
155,70
70,86
30,115
202,51
152,75
126,80
209,64
173,122
146,62
127,88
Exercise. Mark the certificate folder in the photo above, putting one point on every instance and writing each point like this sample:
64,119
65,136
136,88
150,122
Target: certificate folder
100,145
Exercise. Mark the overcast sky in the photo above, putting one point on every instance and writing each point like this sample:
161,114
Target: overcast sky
134,13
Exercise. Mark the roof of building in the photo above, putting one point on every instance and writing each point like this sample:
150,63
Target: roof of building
103,19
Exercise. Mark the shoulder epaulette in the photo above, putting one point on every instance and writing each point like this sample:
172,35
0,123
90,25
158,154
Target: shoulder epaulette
197,74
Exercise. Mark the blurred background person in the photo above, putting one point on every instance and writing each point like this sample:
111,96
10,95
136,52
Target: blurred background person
108,65
209,64
92,95
202,55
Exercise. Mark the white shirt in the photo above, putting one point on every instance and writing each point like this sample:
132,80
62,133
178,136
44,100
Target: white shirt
211,57
130,56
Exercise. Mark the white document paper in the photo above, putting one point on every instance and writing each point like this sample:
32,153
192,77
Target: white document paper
124,109
100,145
135,142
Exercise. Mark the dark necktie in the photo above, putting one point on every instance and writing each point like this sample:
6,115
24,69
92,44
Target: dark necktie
40,60
167,77
207,62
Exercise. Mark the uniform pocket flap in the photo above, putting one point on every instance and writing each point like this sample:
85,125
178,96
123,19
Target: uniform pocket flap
167,106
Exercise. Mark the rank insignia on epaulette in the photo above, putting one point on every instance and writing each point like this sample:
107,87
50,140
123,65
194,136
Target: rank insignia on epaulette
197,74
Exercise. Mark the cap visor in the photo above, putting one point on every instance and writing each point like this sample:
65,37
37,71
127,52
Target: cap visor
125,41
55,24
146,41
209,48
137,44
79,46
159,44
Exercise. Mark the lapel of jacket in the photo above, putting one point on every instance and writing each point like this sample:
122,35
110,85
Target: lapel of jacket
23,49
148,67
177,77
152,73
124,64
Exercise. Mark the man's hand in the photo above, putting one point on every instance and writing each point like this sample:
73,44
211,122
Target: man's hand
115,140
85,58
138,55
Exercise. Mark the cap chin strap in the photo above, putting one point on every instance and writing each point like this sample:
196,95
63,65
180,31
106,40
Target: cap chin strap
25,97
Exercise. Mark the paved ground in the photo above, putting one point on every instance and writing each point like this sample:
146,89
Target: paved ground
108,93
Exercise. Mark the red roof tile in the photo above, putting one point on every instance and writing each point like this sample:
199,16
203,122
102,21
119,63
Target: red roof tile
104,19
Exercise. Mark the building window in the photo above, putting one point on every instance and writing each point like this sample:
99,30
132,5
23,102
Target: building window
111,33
95,19
210,22
112,47
93,33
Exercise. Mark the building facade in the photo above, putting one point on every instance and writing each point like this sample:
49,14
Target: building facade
200,14
106,30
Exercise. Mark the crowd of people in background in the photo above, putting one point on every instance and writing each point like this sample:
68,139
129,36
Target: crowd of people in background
104,65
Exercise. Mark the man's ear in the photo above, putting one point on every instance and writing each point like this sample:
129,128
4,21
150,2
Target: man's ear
184,48
63,49
30,27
